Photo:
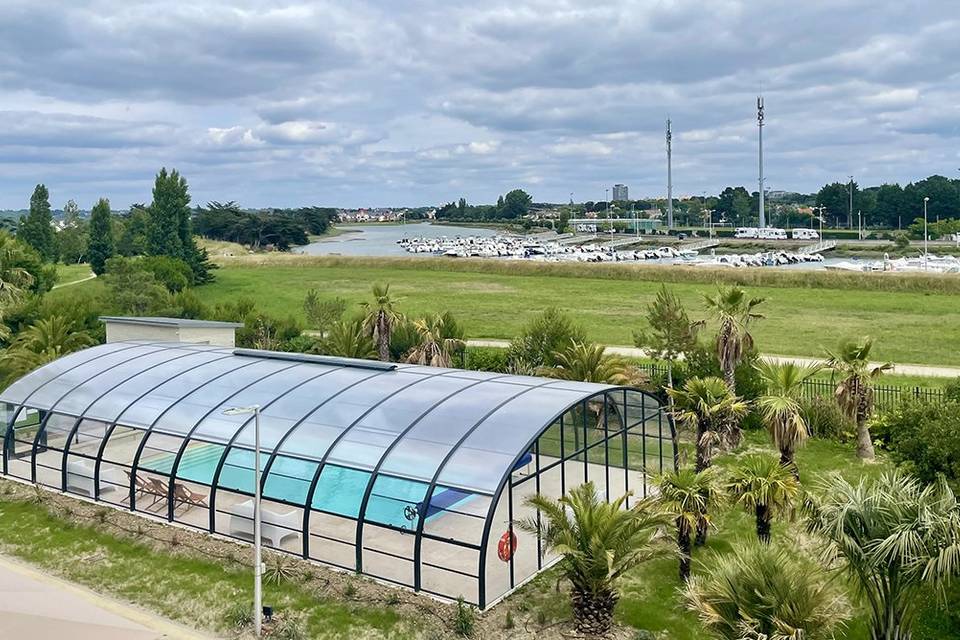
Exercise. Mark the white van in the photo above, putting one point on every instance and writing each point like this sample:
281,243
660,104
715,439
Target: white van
772,233
745,232
805,234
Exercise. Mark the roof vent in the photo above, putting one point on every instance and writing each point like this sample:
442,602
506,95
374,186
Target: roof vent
354,363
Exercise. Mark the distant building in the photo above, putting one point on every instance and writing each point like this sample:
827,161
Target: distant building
620,192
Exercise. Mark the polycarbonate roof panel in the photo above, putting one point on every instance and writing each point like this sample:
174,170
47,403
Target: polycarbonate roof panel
464,428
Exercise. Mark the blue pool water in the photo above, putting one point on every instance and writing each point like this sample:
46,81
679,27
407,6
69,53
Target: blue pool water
339,490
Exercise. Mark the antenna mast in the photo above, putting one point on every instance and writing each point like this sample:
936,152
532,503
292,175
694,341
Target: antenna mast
763,218
669,176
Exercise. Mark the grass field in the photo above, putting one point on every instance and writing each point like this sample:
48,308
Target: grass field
909,326
67,273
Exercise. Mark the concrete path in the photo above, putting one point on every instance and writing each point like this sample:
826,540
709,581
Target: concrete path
37,606
929,371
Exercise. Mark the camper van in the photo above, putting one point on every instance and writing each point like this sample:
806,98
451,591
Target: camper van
745,232
772,233
805,234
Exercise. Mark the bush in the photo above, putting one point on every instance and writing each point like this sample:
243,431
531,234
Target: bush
487,359
173,273
923,437
465,619
825,419
951,391
542,338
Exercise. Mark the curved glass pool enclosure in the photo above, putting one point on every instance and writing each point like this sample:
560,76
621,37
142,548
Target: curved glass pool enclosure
406,473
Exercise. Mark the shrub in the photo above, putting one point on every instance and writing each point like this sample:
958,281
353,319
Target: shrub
542,338
323,313
465,619
923,437
173,273
825,419
487,359
239,615
951,391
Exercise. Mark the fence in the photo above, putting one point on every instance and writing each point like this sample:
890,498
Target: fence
884,396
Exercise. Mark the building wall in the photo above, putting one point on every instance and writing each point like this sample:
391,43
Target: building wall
117,331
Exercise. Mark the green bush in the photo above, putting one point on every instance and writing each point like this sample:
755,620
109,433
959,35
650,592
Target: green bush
173,273
825,419
923,437
951,390
542,339
488,359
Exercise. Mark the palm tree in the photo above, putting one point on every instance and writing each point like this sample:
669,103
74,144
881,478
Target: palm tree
687,496
348,339
439,338
42,342
588,362
380,316
14,280
780,407
734,310
897,538
598,542
854,391
761,484
706,406
761,591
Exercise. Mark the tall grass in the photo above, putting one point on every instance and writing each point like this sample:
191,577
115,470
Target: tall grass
793,278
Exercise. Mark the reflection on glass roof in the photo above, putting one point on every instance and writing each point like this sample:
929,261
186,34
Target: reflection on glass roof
457,428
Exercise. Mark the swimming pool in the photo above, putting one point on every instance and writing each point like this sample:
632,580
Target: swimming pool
393,501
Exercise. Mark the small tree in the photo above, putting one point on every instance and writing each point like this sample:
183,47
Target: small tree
760,591
706,406
321,314
854,392
598,542
348,339
780,406
542,338
44,341
688,496
439,338
588,363
761,484
36,228
101,236
380,317
897,538
672,334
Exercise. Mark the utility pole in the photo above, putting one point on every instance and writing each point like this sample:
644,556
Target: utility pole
763,218
669,176
850,210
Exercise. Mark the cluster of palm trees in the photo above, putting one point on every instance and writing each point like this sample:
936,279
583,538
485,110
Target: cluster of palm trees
382,331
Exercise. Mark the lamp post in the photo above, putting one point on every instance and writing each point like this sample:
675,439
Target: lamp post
926,199
257,561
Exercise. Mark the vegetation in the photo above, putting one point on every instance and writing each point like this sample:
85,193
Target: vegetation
762,591
541,340
36,229
923,438
762,485
780,407
706,406
380,318
896,537
42,342
598,542
672,334
851,362
101,246
438,339
588,363
688,497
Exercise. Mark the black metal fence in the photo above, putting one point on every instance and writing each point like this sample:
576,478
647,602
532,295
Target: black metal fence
884,396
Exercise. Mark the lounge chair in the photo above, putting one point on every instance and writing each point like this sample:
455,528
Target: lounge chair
185,496
275,527
156,488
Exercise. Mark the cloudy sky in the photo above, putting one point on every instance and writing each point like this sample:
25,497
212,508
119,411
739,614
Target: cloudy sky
380,102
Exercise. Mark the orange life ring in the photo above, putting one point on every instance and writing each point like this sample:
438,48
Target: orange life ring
507,545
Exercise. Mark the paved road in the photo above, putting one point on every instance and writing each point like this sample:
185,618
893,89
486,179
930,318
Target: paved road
37,606
929,371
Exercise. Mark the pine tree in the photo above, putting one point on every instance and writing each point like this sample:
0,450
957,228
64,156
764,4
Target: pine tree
36,229
169,206
101,236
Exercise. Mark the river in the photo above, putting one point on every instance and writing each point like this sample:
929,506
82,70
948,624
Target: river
381,239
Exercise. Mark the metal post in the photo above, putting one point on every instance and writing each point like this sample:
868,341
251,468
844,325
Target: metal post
258,563
926,236
850,210
763,218
669,176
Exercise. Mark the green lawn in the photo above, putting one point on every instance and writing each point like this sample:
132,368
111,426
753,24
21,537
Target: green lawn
71,272
908,326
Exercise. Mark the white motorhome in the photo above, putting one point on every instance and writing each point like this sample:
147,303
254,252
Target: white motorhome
772,233
745,232
805,234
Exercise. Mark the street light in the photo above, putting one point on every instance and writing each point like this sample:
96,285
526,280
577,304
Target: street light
926,236
820,218
257,562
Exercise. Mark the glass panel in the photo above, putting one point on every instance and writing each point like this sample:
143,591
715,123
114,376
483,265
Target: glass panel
160,452
19,391
199,462
449,570
340,490
489,452
456,514
205,402
365,443
396,501
237,473
116,400
289,479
